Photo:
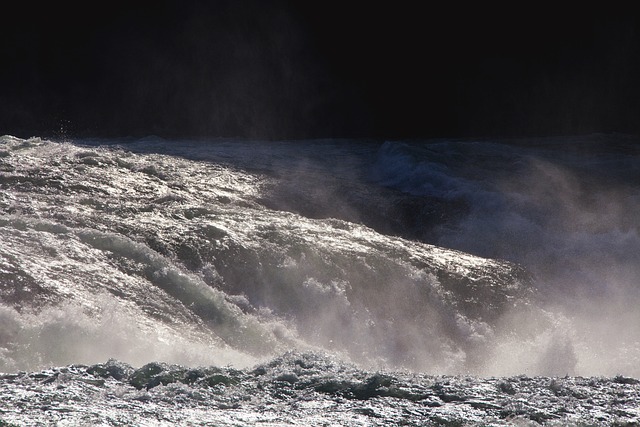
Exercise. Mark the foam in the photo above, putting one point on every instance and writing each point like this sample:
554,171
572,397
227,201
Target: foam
185,244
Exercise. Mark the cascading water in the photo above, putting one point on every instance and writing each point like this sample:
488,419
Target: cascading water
385,256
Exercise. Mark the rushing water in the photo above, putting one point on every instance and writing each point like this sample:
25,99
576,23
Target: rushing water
440,257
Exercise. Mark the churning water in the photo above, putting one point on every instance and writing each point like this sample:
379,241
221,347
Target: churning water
487,257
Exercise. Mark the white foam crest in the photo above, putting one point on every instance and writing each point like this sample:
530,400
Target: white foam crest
238,329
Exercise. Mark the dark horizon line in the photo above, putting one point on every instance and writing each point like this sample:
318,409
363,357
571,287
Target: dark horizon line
60,135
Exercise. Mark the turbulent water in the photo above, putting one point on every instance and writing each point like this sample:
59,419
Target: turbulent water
351,258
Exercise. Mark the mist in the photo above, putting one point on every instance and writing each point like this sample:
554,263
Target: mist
72,333
567,212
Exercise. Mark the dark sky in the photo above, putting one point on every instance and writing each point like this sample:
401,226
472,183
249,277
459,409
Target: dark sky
298,69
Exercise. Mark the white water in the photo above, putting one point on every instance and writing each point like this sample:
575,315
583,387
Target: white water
230,252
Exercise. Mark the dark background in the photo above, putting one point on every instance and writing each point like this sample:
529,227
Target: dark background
298,69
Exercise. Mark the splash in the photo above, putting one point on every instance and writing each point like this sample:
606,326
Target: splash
204,253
